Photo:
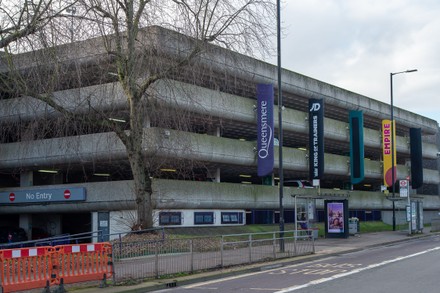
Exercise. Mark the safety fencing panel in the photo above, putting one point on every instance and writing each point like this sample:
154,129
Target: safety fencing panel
82,262
154,259
25,268
31,268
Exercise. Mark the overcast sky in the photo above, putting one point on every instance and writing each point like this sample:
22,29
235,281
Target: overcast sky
355,44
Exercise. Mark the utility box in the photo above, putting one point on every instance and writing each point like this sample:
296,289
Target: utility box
353,226
416,219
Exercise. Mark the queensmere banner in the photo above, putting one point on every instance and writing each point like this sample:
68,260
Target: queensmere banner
265,133
316,138
388,136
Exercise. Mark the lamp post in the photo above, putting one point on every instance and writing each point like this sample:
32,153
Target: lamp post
394,170
280,128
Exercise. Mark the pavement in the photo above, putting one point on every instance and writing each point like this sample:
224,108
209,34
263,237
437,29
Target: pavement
324,247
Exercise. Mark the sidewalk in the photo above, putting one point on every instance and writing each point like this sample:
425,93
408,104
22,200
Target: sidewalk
324,247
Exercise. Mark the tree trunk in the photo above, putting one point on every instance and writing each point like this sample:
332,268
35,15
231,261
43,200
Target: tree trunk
142,189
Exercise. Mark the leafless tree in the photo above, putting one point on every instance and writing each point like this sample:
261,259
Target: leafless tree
136,62
21,19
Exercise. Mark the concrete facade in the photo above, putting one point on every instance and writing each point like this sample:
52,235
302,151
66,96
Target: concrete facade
222,148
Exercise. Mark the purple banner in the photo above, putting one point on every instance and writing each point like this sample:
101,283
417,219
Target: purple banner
265,133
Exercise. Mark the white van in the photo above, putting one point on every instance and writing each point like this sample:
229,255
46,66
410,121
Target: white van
298,183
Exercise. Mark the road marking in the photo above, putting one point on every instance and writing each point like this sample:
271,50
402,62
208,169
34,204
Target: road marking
355,271
265,289
246,275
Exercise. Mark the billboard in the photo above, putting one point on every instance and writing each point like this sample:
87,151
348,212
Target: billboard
316,139
388,137
336,220
265,129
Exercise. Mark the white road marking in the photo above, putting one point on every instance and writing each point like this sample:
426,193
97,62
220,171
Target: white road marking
246,275
355,271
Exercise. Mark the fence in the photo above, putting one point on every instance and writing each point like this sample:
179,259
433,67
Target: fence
30,268
154,259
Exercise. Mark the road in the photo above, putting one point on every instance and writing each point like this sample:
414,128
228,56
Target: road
405,267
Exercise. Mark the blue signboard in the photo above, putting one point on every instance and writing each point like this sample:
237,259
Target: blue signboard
45,196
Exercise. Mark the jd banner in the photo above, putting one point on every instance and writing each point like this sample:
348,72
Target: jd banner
265,130
316,139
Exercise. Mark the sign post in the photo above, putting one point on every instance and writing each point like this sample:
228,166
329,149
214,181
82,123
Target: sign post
404,192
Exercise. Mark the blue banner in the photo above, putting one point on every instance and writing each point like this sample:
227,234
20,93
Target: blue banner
265,131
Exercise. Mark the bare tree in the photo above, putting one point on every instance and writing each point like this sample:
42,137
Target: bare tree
138,62
23,19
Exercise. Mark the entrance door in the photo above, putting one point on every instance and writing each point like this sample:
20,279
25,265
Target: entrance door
104,225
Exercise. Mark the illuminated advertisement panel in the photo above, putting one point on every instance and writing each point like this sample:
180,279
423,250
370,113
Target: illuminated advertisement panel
335,212
336,221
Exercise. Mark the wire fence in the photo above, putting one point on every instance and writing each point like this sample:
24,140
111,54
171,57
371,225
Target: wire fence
164,257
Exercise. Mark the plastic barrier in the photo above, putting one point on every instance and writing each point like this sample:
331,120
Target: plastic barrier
40,267
25,268
82,262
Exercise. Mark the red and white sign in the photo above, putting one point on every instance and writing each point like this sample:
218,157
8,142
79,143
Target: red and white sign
67,194
404,188
11,196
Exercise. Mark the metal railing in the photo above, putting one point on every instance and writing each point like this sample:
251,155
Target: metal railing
165,257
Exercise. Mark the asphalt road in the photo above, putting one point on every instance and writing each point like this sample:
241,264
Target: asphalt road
405,267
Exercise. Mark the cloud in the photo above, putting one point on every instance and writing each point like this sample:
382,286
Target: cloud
355,44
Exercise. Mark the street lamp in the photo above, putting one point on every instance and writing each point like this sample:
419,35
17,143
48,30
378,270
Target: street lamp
280,128
392,143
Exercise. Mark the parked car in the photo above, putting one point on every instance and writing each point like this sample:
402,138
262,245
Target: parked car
15,234
298,183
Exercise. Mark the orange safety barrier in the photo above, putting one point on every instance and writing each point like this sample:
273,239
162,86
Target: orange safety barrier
31,268
25,268
82,262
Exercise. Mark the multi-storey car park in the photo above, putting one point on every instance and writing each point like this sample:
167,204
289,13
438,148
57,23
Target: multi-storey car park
78,179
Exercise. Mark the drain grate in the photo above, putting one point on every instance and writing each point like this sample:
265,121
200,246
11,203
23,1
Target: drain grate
171,284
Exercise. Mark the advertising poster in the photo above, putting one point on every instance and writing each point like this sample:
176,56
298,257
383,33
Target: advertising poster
335,213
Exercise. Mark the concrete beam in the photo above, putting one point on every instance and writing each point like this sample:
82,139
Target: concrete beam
170,143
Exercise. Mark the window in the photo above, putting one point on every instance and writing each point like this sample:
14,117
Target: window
170,218
232,218
201,218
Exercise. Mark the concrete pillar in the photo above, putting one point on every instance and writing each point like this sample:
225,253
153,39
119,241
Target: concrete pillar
25,222
217,175
26,178
95,226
